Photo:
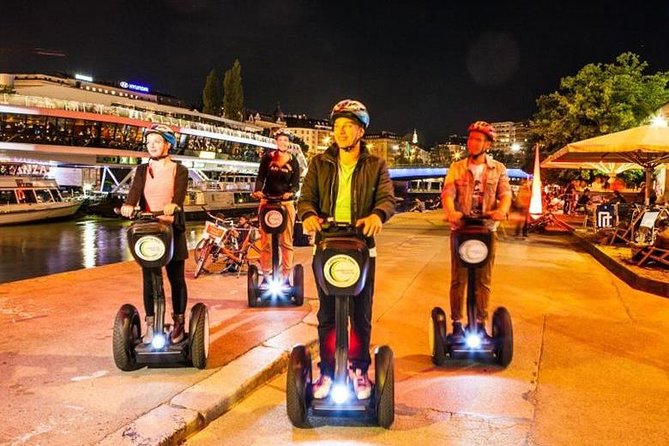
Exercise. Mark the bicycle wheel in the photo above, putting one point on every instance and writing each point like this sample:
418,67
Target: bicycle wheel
206,250
198,249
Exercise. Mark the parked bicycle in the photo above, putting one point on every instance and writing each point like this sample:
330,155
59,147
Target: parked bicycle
215,236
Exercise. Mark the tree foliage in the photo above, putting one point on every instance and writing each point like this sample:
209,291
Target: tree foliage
212,94
599,99
233,99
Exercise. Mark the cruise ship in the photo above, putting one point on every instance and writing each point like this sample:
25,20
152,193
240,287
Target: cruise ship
88,135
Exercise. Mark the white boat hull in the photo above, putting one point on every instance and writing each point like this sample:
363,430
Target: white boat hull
27,213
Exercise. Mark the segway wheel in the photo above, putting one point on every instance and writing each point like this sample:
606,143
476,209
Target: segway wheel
298,285
198,335
437,334
127,331
298,385
204,254
252,286
384,388
502,333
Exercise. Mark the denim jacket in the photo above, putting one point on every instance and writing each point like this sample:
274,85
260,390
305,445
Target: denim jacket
459,185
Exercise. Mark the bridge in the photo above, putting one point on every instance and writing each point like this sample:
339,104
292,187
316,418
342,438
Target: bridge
417,173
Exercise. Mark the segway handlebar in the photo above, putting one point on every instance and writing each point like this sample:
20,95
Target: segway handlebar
331,228
274,198
138,214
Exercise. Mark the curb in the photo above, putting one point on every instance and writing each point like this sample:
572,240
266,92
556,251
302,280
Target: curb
626,275
194,408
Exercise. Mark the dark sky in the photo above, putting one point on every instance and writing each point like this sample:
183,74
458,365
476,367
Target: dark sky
433,66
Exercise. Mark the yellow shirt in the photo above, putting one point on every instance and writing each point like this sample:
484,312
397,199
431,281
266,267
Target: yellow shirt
343,204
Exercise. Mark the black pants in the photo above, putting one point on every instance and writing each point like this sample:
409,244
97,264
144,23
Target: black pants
175,274
361,326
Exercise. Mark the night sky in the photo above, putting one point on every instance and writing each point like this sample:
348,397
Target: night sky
432,66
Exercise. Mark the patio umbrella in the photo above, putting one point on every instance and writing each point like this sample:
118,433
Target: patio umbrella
646,145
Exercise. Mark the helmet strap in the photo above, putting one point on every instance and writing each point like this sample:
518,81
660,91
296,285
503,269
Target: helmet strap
158,158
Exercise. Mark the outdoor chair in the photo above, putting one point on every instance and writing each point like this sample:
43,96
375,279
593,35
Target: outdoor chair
644,244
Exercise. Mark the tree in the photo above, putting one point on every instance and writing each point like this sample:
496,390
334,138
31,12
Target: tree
599,99
212,96
303,145
233,99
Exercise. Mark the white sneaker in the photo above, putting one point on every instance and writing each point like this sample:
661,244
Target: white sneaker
148,336
361,385
321,387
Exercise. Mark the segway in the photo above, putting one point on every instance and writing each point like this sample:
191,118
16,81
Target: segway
273,220
151,244
473,244
341,263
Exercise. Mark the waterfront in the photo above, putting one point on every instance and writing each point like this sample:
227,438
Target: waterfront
36,250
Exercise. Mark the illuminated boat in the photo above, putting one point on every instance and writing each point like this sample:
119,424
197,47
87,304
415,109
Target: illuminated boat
27,200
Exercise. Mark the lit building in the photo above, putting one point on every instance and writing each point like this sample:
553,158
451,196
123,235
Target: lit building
316,133
510,135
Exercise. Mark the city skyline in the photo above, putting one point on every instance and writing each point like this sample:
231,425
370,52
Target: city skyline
422,65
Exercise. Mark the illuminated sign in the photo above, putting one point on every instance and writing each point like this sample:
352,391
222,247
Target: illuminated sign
16,169
134,87
83,77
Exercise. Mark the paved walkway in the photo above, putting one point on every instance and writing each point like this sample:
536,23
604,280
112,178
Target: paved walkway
63,388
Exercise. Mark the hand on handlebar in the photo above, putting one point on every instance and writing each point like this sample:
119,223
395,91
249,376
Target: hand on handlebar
287,196
371,225
258,195
454,217
170,209
127,210
313,223
497,215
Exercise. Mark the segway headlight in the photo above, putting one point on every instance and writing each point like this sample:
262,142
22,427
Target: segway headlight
473,340
340,394
473,251
158,341
276,288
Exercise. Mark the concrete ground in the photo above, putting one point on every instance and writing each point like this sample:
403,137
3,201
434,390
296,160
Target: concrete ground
590,356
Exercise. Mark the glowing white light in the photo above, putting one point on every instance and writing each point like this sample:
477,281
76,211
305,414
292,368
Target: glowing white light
658,121
473,341
340,394
158,341
275,288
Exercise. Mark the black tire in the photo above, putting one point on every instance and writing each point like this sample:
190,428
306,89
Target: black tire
198,336
252,286
298,285
502,333
197,252
199,266
298,386
384,388
437,333
127,331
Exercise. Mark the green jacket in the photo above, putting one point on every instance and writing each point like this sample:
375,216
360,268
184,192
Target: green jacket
372,189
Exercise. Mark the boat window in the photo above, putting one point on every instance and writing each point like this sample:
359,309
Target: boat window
43,196
243,198
7,197
26,196
56,195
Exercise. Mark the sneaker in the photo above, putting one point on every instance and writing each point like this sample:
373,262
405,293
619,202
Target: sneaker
177,334
148,336
457,330
361,385
321,387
